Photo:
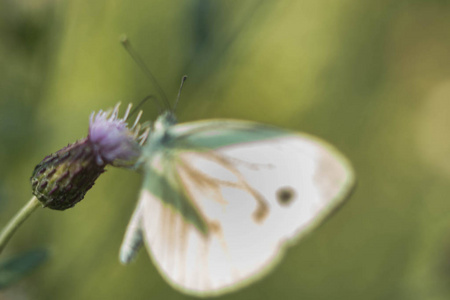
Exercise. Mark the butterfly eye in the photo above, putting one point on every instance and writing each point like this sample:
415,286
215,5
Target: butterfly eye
285,195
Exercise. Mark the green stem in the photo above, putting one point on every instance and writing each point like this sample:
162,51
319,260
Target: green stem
18,219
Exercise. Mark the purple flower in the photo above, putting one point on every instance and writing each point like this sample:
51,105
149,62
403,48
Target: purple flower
62,179
112,141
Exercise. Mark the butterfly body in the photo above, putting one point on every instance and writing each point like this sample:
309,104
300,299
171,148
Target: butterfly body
221,199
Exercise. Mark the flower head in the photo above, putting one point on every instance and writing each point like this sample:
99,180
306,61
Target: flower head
112,141
62,179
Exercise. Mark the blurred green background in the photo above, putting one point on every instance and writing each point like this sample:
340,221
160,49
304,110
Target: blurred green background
371,77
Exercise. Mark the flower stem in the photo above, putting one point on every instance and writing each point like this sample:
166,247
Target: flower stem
17,220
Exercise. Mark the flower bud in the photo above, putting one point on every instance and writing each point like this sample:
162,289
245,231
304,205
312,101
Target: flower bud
62,179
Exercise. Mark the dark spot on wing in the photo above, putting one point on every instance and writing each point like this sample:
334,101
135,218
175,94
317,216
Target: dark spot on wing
285,195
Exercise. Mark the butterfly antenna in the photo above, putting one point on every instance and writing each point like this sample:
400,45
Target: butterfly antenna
183,79
155,100
138,60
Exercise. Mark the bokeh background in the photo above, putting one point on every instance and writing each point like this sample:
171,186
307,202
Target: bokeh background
371,77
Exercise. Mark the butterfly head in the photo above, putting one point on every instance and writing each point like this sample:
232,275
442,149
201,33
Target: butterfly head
164,121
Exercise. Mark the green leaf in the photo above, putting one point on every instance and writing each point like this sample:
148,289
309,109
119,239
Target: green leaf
18,266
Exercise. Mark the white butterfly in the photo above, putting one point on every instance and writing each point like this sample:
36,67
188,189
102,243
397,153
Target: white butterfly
221,199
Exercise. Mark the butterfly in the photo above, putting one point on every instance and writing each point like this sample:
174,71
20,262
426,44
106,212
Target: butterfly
221,200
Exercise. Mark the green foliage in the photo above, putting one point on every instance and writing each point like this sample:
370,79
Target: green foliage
13,269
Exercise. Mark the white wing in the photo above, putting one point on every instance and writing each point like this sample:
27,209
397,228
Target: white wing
254,198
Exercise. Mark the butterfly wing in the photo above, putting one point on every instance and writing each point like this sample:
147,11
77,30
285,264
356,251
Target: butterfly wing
220,204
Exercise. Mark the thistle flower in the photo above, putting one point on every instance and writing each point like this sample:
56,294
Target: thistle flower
111,140
62,179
